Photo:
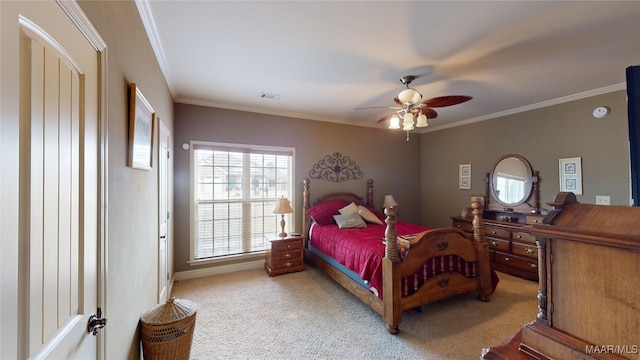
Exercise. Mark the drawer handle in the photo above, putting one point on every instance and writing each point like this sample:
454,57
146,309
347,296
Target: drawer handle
494,243
493,232
458,225
288,265
533,266
506,259
288,246
287,255
519,236
536,220
528,251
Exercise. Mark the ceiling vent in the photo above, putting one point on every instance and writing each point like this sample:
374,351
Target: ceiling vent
268,96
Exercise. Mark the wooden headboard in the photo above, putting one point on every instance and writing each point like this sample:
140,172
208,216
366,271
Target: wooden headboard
346,196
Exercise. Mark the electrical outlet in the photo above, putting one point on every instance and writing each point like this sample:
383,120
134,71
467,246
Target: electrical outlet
603,200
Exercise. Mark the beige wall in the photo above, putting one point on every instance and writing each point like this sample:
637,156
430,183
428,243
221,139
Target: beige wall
382,155
132,194
542,136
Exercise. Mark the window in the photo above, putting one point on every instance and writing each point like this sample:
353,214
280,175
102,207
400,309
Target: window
234,192
510,188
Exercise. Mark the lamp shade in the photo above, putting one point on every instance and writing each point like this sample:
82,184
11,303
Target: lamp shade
422,120
283,206
389,201
394,122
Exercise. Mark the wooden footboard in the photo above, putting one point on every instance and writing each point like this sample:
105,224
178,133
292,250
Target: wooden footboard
442,243
432,244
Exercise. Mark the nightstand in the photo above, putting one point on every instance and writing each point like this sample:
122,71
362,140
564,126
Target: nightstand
286,255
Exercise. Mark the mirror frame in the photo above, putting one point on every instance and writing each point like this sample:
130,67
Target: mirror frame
528,185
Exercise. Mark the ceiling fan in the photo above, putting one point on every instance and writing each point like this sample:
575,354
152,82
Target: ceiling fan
413,112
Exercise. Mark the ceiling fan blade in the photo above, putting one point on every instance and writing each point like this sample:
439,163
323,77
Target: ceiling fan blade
443,101
385,118
431,114
378,107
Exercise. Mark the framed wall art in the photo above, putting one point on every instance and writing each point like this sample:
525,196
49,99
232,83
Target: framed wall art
571,175
465,176
141,126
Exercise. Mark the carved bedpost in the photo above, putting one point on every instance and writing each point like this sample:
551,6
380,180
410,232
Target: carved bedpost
370,193
482,248
391,281
306,204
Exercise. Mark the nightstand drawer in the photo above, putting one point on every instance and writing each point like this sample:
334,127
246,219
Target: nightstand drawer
286,255
527,250
286,245
286,264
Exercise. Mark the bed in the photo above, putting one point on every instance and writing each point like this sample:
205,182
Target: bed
393,266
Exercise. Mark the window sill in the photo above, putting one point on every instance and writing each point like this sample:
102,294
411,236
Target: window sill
229,259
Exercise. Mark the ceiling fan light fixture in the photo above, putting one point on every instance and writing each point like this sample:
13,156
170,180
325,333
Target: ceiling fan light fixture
422,120
394,122
408,119
410,96
407,127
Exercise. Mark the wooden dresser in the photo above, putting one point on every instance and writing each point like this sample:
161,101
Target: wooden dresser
513,249
589,299
286,255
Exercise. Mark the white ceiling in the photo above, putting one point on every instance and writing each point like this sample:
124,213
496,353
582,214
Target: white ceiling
327,58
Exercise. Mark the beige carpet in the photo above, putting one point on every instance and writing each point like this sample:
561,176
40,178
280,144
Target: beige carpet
306,315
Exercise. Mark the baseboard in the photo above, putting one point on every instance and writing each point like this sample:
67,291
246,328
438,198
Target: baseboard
217,270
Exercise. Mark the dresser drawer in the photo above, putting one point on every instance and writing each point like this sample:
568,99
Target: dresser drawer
498,244
524,237
497,232
517,261
286,245
464,225
527,250
534,219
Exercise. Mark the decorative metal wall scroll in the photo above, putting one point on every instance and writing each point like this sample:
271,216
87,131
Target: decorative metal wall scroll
336,168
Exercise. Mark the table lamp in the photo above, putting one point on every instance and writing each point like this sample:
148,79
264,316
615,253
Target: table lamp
283,207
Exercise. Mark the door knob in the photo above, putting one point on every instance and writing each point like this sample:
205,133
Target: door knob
96,322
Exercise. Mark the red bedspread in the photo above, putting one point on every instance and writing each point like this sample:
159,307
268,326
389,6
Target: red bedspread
360,250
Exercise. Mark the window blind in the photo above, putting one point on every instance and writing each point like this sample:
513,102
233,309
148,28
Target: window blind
236,188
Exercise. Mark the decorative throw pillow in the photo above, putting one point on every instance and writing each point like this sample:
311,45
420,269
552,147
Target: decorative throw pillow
368,215
350,221
351,208
377,213
323,213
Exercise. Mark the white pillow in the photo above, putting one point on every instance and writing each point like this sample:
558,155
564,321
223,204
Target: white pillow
349,221
349,209
368,215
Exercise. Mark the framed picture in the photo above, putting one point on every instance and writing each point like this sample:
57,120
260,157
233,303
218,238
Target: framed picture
571,175
465,176
141,126
479,199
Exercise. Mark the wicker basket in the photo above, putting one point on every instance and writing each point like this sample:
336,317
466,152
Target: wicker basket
167,330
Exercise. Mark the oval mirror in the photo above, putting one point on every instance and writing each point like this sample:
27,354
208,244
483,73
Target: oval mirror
511,180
